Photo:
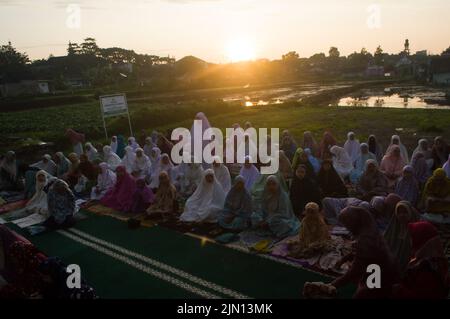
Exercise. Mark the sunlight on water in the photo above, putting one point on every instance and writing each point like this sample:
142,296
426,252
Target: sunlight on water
393,101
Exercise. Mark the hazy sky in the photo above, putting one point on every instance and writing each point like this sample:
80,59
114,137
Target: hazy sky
209,28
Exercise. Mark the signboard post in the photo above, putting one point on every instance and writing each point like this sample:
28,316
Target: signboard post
113,105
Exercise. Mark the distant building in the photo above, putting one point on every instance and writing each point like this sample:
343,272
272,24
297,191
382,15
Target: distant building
25,87
76,83
375,71
440,70
422,53
404,67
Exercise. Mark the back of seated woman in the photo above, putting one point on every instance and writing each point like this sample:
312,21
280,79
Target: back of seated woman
61,205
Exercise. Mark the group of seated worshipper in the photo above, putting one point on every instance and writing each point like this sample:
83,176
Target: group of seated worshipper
382,199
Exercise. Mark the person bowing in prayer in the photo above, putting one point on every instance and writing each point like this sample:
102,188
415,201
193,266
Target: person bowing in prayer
370,249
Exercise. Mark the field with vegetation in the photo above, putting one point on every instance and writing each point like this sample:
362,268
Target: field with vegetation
19,129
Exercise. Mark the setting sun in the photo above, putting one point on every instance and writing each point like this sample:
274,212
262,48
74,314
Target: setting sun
240,50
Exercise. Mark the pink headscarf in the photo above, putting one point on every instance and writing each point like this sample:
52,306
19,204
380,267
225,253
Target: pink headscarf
120,196
391,163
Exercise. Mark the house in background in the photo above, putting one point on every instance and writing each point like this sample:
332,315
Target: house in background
77,83
440,70
375,71
26,87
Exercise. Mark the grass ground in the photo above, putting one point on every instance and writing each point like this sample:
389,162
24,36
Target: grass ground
49,124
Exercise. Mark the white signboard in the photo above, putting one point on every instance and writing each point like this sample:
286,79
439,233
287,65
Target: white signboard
113,105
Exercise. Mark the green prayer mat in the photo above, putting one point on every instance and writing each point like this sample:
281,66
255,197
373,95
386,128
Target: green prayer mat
184,261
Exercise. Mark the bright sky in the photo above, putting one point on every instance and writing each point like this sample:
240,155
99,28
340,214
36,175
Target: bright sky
225,30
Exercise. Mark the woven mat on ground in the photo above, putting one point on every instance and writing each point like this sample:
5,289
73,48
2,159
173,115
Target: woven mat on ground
100,209
160,263
324,262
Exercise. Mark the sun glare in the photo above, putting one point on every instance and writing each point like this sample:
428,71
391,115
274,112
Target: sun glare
240,50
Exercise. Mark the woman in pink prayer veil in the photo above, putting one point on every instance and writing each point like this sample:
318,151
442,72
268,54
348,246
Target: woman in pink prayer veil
120,196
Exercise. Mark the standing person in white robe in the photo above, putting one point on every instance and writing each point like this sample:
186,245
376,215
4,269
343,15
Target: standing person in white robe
91,152
36,209
352,147
222,174
206,202
111,158
341,161
113,144
132,142
250,173
46,164
395,140
142,164
164,164
128,159
105,180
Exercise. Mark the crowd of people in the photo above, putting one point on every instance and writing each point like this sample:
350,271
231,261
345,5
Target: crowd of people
388,198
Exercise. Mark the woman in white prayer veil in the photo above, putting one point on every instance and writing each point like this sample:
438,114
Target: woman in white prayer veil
341,161
37,206
132,142
230,157
105,180
179,171
38,203
352,147
193,174
91,152
250,173
128,159
395,140
148,147
206,202
248,148
46,164
113,144
222,174
422,147
142,164
155,156
205,125
111,158
164,164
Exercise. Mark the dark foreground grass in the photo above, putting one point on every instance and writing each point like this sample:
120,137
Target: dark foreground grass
49,124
